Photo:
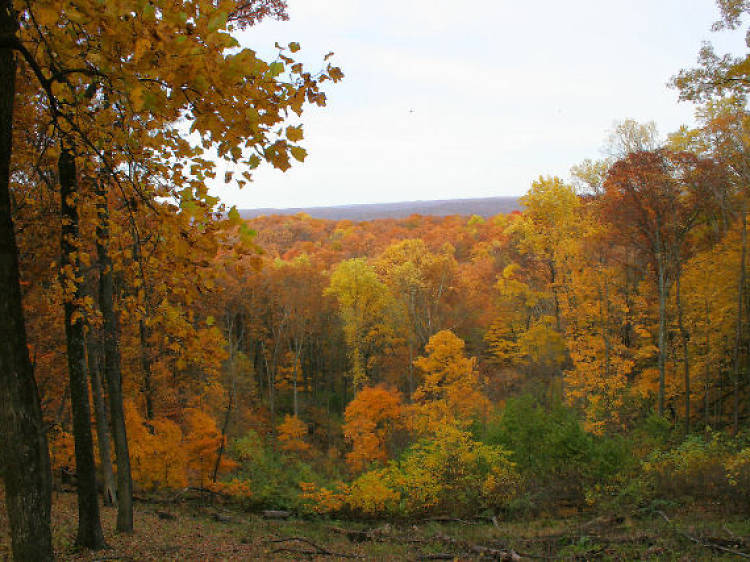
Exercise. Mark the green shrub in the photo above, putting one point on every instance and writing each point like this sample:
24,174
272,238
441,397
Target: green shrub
273,477
553,452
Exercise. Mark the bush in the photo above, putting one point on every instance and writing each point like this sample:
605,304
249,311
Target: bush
704,469
448,473
711,470
273,477
553,452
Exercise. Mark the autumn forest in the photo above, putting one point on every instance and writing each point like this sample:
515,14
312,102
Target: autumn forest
586,356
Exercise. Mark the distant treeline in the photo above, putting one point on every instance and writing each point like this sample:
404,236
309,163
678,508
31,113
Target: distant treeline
484,207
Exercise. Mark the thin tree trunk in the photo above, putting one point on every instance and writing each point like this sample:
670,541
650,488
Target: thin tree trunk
24,462
662,359
685,352
112,367
707,370
297,353
102,421
148,390
89,525
225,426
144,334
738,331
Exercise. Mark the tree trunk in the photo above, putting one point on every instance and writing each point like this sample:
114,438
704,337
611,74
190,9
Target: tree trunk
144,332
24,463
685,352
706,369
112,367
662,331
148,390
102,421
233,348
738,331
89,525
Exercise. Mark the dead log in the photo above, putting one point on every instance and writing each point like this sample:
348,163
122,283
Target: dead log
221,518
276,514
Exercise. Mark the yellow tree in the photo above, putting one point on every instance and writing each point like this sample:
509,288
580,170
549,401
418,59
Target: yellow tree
419,281
596,315
450,391
364,308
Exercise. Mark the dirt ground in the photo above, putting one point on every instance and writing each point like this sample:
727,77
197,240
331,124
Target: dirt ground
204,532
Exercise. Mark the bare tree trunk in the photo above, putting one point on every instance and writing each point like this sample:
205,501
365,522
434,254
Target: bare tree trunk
738,332
102,421
144,332
297,352
112,367
24,463
662,359
148,390
233,391
89,525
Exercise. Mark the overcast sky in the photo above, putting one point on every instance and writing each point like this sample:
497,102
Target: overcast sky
443,100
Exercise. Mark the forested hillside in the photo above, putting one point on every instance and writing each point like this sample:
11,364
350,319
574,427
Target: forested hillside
585,356
484,207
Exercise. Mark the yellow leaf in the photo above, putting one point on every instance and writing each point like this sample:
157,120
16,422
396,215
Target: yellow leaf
141,46
137,98
298,153
294,134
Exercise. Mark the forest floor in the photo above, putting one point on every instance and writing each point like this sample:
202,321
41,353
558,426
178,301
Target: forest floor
195,532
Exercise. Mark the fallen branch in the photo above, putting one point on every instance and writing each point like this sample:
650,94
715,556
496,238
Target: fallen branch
354,535
165,515
274,514
446,519
484,551
700,542
319,550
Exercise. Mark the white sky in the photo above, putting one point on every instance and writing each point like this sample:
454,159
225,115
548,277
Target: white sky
501,92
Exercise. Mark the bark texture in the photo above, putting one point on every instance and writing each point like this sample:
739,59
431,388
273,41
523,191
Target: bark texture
112,372
24,462
93,353
89,524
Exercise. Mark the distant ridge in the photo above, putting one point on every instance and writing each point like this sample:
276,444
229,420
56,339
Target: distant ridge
484,207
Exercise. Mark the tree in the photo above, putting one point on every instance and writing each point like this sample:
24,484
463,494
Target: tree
717,75
653,201
89,526
419,281
450,391
370,421
25,465
104,73
363,307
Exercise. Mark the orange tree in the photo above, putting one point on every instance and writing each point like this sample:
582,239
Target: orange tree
122,75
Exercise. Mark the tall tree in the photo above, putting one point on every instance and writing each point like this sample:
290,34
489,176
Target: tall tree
25,463
653,200
89,525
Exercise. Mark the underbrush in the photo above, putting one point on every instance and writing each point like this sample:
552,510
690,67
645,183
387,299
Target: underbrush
527,461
